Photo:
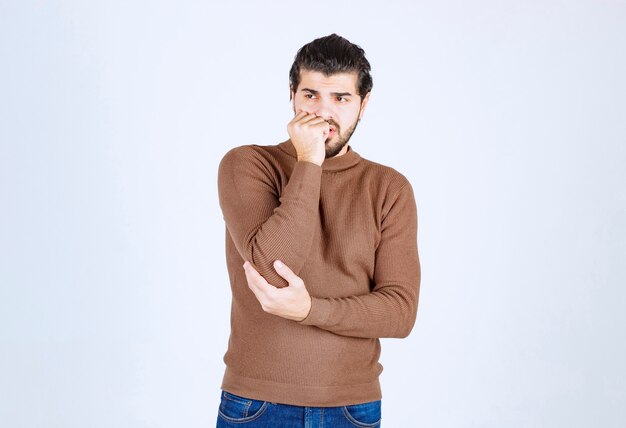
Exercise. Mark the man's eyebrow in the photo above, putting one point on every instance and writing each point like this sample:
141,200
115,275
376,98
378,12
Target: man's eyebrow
334,94
341,94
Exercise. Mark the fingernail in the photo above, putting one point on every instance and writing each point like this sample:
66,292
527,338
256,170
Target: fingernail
279,264
245,264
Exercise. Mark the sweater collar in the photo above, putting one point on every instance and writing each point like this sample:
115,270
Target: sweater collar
334,164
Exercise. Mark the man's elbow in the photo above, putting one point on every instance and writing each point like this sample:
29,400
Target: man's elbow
408,325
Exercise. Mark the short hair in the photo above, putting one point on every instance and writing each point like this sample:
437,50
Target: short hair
330,55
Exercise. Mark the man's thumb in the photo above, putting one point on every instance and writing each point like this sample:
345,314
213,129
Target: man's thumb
283,270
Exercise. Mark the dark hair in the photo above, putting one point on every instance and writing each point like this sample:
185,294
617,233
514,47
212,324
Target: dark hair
329,55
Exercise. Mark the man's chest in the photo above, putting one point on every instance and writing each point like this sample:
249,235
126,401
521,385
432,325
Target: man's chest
343,254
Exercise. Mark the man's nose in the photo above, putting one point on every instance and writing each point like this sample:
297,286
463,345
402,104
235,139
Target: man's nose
323,109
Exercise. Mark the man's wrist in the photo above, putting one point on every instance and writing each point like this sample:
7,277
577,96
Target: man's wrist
305,159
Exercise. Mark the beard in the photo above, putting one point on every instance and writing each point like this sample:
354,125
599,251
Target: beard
340,139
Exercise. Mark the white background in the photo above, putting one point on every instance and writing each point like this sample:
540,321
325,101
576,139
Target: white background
507,117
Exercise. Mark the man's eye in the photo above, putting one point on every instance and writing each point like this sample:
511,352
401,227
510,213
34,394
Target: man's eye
309,96
342,99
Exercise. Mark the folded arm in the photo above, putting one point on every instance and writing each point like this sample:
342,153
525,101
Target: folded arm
263,224
390,309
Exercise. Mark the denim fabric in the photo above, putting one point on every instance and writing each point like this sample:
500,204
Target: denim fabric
238,411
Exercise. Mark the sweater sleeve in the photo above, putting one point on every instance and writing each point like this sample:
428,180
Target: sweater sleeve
263,224
390,309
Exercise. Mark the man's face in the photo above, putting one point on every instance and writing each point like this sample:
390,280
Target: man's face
336,99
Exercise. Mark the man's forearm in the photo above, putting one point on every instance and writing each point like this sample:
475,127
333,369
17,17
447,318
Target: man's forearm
265,226
388,312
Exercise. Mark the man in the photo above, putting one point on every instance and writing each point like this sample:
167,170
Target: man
321,247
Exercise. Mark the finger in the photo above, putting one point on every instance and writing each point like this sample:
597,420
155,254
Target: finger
322,124
306,120
252,276
250,280
285,271
313,121
299,116
301,113
256,290
256,280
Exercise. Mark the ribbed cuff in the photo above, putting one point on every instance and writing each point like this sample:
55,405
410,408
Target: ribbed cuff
319,313
304,183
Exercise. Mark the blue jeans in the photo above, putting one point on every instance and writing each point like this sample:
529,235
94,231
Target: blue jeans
238,411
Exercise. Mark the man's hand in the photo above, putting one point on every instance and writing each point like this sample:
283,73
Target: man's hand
292,302
308,133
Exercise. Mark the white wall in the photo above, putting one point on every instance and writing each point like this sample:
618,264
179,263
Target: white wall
507,117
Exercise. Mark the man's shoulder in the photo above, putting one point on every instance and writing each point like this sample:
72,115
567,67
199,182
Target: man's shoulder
249,150
247,154
386,175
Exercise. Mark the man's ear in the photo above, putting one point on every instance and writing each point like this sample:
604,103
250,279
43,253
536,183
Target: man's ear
364,101
292,98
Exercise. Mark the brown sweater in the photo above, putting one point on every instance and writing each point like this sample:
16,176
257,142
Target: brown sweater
348,228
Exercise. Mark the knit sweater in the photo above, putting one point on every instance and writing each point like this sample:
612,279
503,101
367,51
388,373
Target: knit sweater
348,228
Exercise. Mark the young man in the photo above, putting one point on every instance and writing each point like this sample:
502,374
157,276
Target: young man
321,247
